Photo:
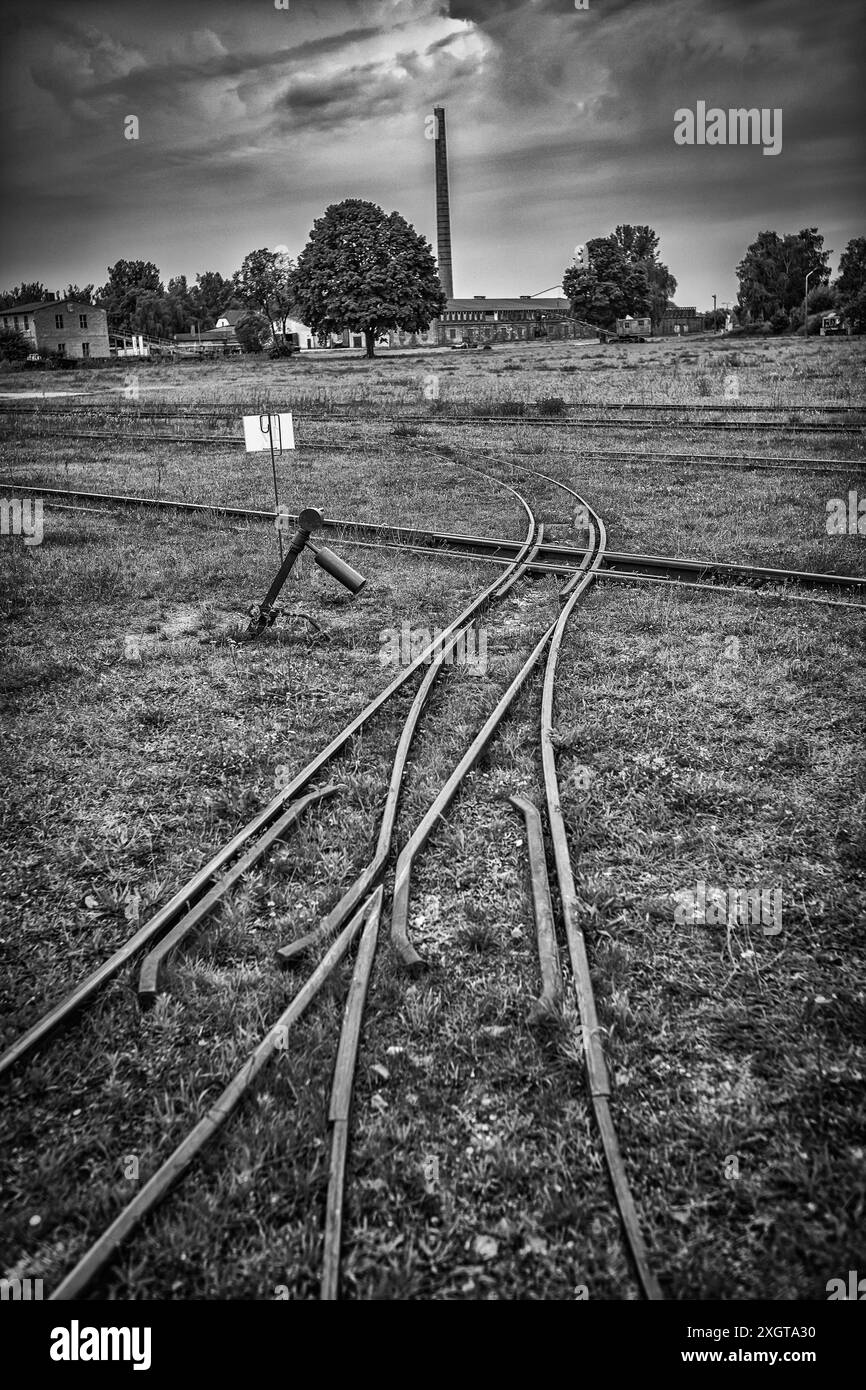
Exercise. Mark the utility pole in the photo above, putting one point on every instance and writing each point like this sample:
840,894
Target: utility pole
806,305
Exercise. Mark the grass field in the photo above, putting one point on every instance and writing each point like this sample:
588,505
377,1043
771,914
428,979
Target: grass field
702,738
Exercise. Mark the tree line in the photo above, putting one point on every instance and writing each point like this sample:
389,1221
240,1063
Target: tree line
621,274
772,277
368,271
362,270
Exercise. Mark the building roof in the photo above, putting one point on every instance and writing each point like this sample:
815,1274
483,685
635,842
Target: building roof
209,335
482,302
55,304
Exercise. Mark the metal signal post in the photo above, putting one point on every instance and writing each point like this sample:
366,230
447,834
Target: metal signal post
310,519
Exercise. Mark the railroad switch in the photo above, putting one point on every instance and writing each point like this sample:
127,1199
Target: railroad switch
265,614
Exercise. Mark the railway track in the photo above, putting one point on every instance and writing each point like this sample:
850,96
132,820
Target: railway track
747,463
357,917
517,420
551,558
358,912
139,411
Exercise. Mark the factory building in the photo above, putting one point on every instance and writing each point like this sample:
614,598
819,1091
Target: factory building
481,319
677,321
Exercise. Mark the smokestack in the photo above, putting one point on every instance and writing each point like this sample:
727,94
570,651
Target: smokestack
443,211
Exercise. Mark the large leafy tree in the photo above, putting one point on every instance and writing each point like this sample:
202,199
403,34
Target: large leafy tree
211,295
366,270
152,315
179,304
610,287
640,248
638,243
773,272
128,282
851,284
264,283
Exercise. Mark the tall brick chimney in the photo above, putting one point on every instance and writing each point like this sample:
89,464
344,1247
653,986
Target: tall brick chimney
443,211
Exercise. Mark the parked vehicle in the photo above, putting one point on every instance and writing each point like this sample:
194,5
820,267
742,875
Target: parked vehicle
632,329
466,343
832,324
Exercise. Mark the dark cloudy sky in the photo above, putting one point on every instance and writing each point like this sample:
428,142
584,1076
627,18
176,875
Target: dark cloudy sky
560,125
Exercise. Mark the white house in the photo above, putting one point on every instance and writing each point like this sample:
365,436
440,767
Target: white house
306,340
297,333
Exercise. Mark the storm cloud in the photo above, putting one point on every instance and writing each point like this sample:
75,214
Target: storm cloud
560,125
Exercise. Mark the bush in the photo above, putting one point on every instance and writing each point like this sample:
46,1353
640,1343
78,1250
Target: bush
551,405
14,347
282,350
499,408
253,332
780,322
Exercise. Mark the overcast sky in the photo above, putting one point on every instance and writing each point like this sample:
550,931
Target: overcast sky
560,125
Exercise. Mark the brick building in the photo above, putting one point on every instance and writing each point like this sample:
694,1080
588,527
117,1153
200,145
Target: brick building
483,320
677,321
74,328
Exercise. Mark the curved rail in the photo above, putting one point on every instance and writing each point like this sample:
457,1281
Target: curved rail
153,962
555,559
596,1066
406,952
340,1108
287,954
103,1249
189,894
275,1040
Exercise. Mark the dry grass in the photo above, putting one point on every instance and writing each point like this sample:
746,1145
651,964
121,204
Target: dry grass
475,1170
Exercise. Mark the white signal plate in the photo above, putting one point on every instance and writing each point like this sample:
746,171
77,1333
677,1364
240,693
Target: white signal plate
258,429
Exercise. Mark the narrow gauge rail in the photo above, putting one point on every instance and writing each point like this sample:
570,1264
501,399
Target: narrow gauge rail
572,595
195,889
552,558
221,412
516,414
192,896
368,916
747,463
512,421
594,422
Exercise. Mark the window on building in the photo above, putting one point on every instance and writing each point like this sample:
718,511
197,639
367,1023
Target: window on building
15,320
61,348
58,320
85,349
452,332
82,320
26,323
5,320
